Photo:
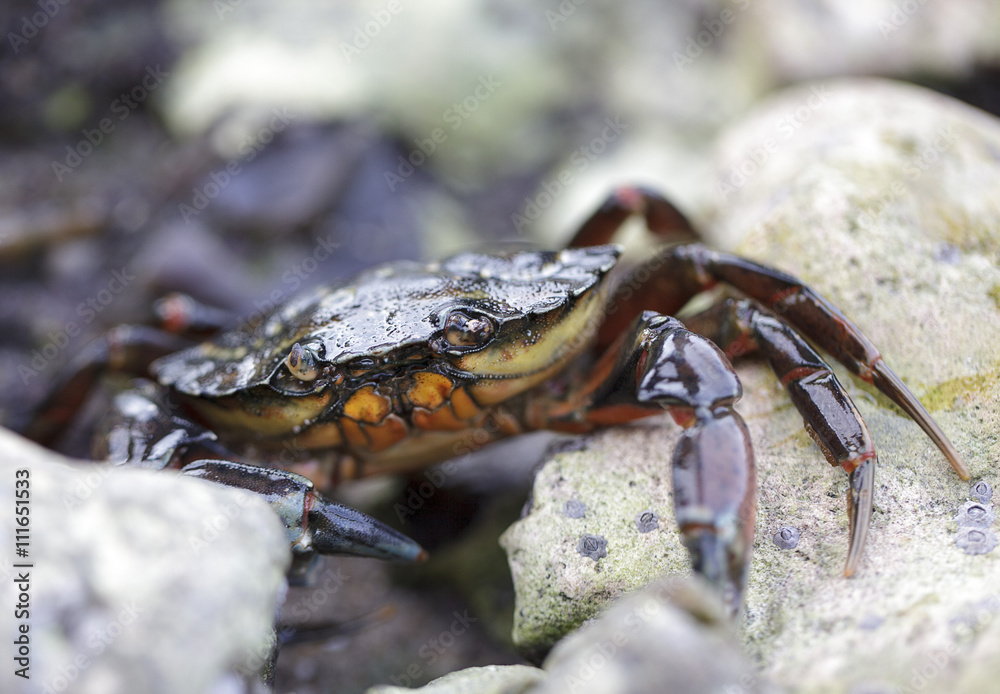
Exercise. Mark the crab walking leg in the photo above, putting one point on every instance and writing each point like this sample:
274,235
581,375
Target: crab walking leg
124,349
648,288
829,414
139,430
662,218
667,281
182,314
824,324
314,523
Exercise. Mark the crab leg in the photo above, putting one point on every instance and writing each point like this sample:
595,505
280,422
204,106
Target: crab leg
124,349
659,364
662,218
667,281
714,476
142,432
830,417
314,523
824,324
648,287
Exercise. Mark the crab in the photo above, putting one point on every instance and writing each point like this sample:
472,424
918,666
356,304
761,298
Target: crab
406,364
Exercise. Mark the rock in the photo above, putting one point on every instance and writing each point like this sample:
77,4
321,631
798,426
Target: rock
885,37
491,679
884,198
558,586
139,581
290,184
670,637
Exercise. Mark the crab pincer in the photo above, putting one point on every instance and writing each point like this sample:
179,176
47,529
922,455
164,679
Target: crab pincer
661,364
713,463
314,523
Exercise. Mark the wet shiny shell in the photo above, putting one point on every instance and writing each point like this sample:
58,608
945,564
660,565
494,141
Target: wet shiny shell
398,310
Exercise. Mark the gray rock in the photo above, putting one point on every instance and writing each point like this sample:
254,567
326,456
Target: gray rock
558,587
885,37
856,187
139,581
670,637
858,200
491,679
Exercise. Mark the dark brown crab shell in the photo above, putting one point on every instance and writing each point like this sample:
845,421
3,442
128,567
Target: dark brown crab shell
391,309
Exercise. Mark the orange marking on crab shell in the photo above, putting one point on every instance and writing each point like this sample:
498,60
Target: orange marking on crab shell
441,419
390,431
463,405
365,405
353,433
429,390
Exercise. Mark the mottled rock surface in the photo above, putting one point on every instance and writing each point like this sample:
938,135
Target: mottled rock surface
885,198
140,581
568,586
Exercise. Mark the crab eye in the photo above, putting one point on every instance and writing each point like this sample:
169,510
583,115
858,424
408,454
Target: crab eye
301,363
466,329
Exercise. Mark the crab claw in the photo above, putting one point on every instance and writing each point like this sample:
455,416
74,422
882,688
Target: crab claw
313,523
720,563
714,501
339,529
